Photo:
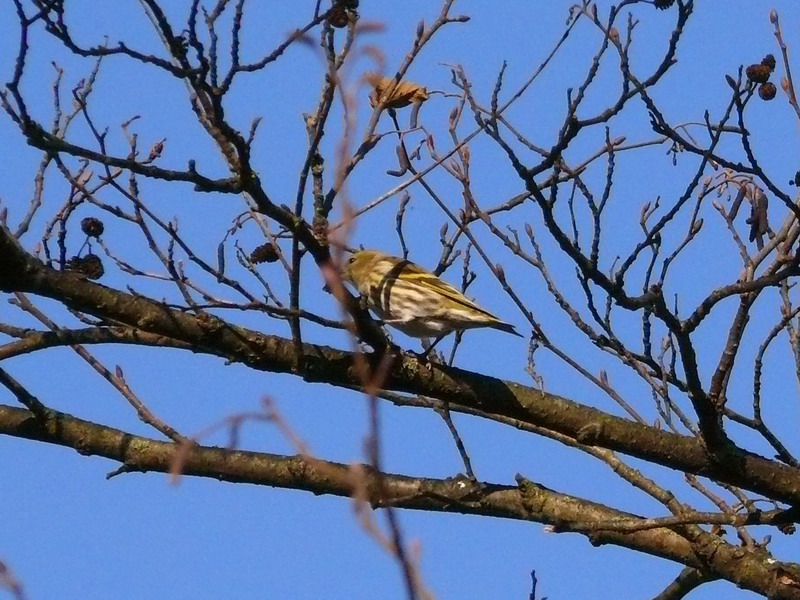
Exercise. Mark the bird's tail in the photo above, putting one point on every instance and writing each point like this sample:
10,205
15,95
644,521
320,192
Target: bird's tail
507,327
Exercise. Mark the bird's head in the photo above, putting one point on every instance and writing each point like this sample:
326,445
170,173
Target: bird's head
363,265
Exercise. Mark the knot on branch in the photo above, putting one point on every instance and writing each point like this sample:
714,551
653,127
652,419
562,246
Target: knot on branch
210,324
34,133
589,433
532,495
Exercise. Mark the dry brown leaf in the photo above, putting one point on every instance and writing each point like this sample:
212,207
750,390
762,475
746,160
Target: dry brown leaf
403,94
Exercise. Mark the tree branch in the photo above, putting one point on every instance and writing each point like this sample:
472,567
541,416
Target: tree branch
753,570
688,580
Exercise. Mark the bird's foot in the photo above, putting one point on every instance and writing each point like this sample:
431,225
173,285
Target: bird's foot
429,354
426,359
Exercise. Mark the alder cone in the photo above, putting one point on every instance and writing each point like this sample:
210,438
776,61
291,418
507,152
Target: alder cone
92,226
265,253
767,91
758,73
90,266
338,16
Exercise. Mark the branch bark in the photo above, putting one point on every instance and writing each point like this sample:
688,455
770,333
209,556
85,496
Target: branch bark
752,569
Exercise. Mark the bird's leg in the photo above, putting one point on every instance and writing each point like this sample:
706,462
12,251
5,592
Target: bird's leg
428,346
434,344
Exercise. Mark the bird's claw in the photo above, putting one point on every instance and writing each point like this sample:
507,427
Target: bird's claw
426,359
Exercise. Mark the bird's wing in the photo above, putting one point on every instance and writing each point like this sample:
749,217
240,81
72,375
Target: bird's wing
413,272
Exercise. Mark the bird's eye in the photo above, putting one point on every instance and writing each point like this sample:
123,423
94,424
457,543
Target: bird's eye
351,260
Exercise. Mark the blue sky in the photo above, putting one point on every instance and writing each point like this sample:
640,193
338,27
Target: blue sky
69,533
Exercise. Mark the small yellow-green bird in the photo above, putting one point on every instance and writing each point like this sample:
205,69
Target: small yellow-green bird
413,300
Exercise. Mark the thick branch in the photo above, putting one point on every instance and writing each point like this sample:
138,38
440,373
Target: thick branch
529,502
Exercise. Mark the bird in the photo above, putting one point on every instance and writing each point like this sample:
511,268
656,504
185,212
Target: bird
414,300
